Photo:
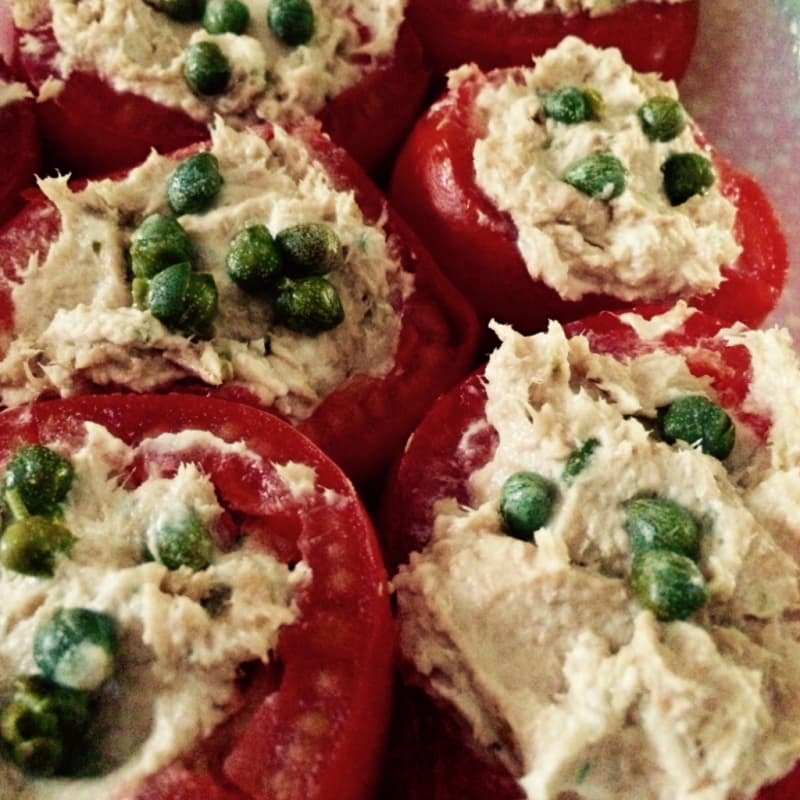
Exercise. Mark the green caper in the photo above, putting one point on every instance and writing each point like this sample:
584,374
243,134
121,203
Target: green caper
309,305
183,543
599,175
657,523
226,16
253,261
76,648
30,545
42,724
194,185
685,175
206,68
578,460
184,299
698,421
669,584
572,105
526,504
156,244
311,248
292,21
180,10
661,118
37,478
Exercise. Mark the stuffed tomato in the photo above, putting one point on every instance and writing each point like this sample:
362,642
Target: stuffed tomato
194,605
579,185
598,573
263,267
116,79
19,142
653,36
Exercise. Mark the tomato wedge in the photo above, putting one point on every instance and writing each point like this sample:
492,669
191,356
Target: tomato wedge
431,754
312,723
90,128
434,188
363,424
653,37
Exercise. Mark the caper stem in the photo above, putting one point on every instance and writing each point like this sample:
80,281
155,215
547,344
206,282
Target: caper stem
15,504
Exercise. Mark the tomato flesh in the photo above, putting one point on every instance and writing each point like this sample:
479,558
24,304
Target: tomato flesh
315,732
363,424
434,188
429,756
653,37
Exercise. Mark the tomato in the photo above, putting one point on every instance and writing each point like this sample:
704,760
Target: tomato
363,424
312,725
430,755
434,188
20,151
653,37
90,128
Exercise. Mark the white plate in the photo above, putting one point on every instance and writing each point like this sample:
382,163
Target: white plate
743,88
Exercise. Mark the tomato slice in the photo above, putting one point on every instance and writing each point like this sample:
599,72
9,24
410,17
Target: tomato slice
430,755
90,128
20,149
653,37
314,731
434,188
363,424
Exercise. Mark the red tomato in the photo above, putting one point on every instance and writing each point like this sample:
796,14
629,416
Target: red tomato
434,188
20,152
430,757
311,728
653,37
363,424
90,128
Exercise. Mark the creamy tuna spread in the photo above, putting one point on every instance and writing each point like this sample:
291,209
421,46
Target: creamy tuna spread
634,245
545,649
76,327
567,7
12,92
182,632
139,49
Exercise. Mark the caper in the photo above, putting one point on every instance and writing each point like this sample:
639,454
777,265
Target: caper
661,118
659,523
685,175
30,545
206,68
669,584
71,707
183,543
572,105
37,478
310,248
526,503
184,299
599,175
181,10
309,305
156,244
226,16
194,185
698,421
578,460
253,261
76,648
292,21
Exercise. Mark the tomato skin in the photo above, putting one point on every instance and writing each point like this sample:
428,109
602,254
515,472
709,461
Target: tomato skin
364,424
653,37
316,730
90,128
20,149
434,187
430,756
